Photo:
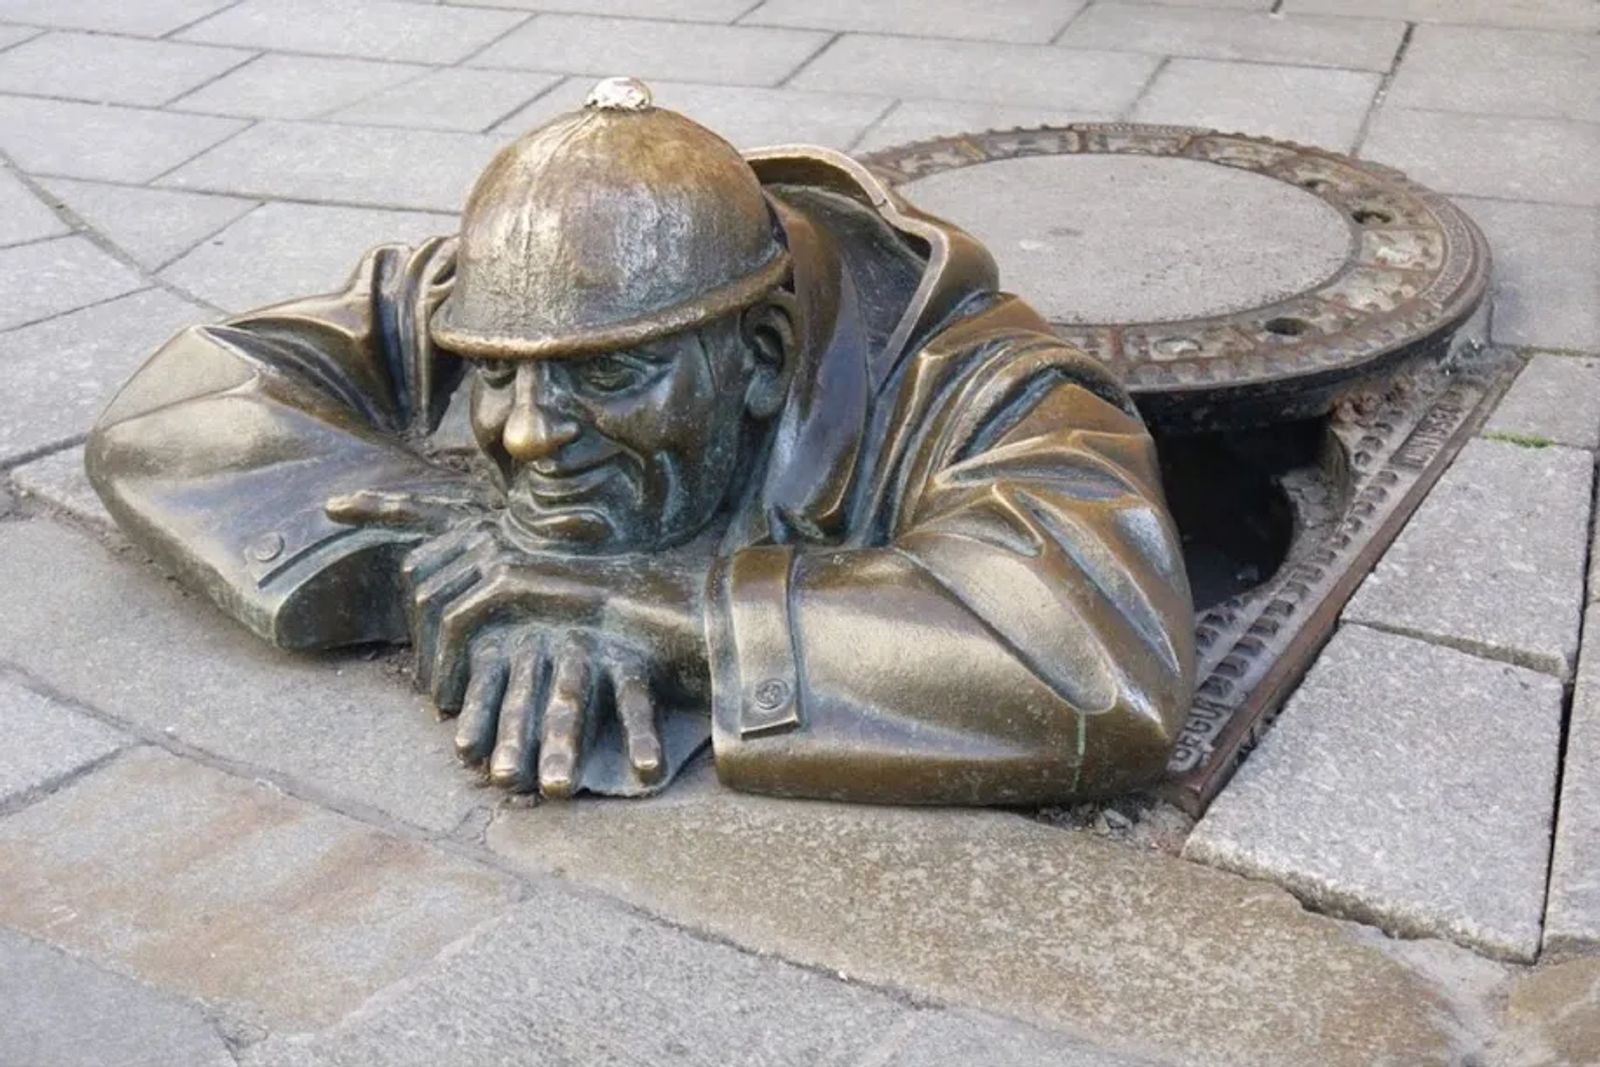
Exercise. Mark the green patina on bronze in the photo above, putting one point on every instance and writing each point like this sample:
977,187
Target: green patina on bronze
752,435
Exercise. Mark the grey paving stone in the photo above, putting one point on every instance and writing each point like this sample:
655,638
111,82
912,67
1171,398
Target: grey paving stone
1552,1017
1012,74
296,87
280,251
63,371
45,741
1492,562
225,888
425,170
1572,913
1541,14
1468,68
132,644
47,278
1115,238
1406,785
1546,260
107,69
735,55
1139,953
748,117
1554,399
10,35
59,481
677,10
1021,21
1546,160
1362,44
108,143
1231,5
966,1039
916,120
23,216
151,225
147,18
375,29
454,98
62,1012
566,979
1319,107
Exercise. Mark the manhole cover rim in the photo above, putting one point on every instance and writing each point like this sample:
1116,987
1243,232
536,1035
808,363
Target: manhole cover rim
1258,360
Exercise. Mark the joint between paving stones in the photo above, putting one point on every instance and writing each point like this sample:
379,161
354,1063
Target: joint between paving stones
1382,92
806,62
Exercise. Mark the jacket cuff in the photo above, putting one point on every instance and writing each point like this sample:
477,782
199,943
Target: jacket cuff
755,683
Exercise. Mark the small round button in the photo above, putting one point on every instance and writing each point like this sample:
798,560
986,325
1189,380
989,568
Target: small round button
772,693
266,548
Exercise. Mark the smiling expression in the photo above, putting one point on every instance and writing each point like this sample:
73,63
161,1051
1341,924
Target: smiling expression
627,451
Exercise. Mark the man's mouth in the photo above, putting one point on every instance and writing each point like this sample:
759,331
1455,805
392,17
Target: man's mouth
555,483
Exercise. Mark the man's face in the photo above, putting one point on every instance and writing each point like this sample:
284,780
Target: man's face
629,451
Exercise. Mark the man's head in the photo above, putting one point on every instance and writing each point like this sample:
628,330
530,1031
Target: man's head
620,295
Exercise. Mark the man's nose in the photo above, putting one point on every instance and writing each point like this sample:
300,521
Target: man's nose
535,429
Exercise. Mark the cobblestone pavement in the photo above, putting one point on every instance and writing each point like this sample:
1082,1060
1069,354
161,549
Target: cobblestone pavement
213,853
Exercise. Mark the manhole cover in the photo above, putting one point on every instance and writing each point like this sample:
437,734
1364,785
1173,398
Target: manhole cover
1228,280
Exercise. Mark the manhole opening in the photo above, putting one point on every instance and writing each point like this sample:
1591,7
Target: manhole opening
1227,493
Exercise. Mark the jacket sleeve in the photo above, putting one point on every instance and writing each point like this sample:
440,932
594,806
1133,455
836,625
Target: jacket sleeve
220,452
1024,635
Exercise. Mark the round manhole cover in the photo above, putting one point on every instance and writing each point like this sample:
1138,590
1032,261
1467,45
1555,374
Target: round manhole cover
1226,279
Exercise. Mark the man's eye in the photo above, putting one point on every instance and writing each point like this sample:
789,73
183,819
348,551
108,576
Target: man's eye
497,372
607,374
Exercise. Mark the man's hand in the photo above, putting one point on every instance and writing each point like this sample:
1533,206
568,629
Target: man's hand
432,508
535,701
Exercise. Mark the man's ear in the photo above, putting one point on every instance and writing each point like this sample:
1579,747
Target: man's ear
771,332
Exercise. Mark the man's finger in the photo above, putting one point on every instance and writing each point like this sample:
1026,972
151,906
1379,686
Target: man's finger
422,562
458,621
636,710
511,765
480,708
571,694
428,602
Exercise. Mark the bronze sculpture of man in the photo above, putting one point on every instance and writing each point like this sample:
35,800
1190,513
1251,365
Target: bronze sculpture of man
752,433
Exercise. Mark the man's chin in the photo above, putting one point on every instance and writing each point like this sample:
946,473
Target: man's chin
582,530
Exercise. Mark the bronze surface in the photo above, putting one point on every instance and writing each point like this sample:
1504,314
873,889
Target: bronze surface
904,543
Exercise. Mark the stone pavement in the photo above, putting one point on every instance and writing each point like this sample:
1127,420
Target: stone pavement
211,852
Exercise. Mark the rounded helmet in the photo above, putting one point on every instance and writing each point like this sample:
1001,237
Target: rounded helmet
605,228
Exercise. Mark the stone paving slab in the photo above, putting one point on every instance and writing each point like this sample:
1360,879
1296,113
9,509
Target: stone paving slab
683,10
1493,560
147,18
10,35
572,980
41,280
281,251
1309,40
453,98
374,29
153,226
424,170
1543,14
1572,914
62,1012
1406,785
23,216
119,144
297,87
1304,104
916,120
1546,75
65,370
1546,260
59,481
169,663
736,55
1016,75
1152,955
113,70
970,1039
1546,160
748,117
1554,399
224,888
1021,21
1552,1017
45,741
